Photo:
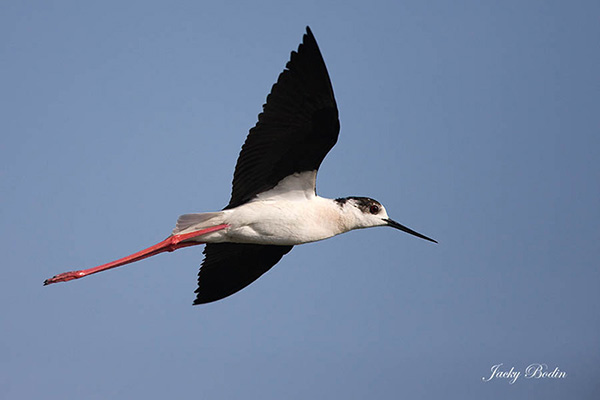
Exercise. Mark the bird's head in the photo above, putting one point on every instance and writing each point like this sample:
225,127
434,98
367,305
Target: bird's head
365,212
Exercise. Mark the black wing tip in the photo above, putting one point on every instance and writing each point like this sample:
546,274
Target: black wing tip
199,301
309,38
203,298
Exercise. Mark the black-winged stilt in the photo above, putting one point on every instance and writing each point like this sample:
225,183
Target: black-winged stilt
274,204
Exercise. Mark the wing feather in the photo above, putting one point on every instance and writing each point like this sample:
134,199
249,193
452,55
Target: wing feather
229,267
297,128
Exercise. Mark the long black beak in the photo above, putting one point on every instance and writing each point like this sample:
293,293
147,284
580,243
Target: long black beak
403,228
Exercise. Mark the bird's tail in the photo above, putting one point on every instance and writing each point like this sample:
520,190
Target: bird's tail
193,222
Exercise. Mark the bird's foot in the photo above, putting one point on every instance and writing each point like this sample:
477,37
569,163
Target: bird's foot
64,277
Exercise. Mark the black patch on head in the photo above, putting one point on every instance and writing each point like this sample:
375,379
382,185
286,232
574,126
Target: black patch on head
341,201
363,203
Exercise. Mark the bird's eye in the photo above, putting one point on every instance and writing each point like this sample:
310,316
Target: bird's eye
374,209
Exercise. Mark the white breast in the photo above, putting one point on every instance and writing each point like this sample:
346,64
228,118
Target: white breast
283,222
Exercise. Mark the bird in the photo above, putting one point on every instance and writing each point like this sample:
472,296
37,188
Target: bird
274,204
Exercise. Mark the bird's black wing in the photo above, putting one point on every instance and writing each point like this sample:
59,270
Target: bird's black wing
230,267
297,128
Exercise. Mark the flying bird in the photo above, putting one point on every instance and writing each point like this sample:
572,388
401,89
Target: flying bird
274,205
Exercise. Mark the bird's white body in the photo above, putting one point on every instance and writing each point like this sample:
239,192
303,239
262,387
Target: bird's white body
289,214
280,222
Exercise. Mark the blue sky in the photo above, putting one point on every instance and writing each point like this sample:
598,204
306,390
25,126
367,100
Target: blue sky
475,123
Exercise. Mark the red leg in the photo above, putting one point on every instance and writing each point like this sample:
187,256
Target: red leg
171,243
